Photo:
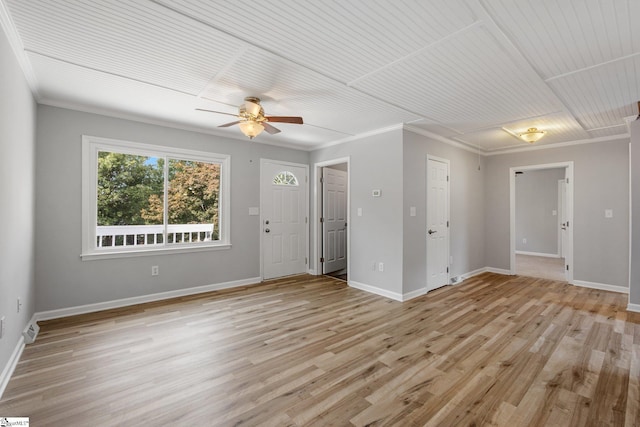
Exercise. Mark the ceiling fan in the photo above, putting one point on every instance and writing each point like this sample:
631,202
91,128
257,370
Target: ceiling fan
252,120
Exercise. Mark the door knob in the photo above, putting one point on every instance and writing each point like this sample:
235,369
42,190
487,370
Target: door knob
267,222
432,231
266,230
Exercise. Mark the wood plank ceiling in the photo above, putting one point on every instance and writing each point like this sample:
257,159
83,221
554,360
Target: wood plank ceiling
474,71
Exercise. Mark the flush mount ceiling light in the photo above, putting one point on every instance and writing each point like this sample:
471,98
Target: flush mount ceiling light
532,135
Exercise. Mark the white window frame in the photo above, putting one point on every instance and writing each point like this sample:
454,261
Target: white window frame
91,145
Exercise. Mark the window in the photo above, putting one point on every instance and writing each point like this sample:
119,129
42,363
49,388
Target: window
140,199
285,178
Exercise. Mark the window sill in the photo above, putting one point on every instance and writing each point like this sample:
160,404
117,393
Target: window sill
92,256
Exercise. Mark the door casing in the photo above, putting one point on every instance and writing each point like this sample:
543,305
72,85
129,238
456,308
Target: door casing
262,216
568,250
448,215
317,229
334,224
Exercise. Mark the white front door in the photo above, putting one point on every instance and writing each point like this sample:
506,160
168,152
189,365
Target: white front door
437,223
334,220
283,218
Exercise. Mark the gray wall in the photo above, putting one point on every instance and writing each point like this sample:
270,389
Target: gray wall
376,236
601,181
466,208
536,199
634,291
64,280
17,204
395,162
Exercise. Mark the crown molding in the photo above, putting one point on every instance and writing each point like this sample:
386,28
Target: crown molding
203,130
557,145
18,49
160,122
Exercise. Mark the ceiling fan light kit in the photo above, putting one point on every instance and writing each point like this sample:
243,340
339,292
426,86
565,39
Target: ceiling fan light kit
532,135
251,128
251,118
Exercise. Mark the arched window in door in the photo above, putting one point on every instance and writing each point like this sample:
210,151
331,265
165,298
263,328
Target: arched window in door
285,178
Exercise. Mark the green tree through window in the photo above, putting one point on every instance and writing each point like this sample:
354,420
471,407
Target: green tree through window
126,185
131,191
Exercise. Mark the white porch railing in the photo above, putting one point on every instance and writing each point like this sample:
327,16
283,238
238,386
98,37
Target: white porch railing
145,235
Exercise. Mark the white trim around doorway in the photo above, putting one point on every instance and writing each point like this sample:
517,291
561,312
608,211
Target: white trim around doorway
568,166
317,229
260,225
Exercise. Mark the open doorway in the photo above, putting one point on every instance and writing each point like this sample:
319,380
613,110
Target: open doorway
333,211
541,221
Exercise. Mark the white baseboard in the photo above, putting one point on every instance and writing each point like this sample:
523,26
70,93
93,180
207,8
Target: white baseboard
375,290
470,274
13,361
413,294
312,272
633,307
542,254
11,365
497,271
601,286
90,308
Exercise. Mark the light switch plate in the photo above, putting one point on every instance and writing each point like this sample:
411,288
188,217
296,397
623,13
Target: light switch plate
412,211
254,211
608,213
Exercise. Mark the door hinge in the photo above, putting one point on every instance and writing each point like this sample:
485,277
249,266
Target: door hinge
567,267
567,223
322,259
306,219
321,219
567,180
447,178
447,223
306,261
321,179
447,269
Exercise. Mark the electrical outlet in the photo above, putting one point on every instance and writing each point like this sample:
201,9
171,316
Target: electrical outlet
524,241
381,266
155,270
1,327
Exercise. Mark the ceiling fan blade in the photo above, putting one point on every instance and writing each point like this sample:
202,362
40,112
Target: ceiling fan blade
285,119
270,129
217,112
226,125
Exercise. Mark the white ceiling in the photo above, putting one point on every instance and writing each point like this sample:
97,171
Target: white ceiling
476,72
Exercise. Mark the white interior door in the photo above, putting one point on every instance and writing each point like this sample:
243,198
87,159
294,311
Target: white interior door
283,219
562,217
334,220
437,223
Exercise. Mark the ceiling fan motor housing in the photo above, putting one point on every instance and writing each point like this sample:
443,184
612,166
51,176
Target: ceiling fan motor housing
251,109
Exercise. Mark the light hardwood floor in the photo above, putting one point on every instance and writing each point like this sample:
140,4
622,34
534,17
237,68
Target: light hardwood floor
538,266
310,351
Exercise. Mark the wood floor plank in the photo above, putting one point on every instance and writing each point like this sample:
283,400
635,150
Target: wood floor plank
310,351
